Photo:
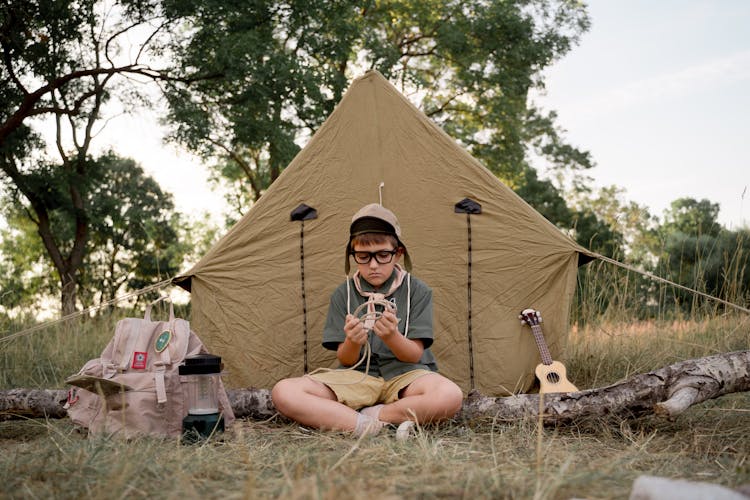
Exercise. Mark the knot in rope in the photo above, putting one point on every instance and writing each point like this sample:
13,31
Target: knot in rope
369,317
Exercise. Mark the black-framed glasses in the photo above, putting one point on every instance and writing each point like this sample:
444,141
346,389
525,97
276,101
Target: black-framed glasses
381,256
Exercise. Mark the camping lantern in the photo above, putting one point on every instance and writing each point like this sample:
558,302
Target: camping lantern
202,374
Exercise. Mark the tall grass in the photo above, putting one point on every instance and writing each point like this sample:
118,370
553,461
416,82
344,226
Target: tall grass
45,357
481,458
608,293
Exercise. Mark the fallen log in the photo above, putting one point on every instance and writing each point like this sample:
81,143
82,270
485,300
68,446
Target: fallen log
666,392
32,403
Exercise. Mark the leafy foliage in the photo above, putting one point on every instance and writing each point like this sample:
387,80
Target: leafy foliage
278,69
690,216
696,251
585,223
688,248
133,238
24,272
61,60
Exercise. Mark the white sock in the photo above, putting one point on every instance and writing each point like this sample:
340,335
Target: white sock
371,411
366,425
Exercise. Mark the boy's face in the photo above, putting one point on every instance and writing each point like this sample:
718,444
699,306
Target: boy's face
374,272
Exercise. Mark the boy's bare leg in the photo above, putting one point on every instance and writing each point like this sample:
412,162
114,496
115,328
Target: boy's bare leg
431,398
312,403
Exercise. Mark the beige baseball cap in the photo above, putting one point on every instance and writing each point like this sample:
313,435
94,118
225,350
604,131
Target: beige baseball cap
375,218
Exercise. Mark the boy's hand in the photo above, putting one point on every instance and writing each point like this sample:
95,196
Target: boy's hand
354,330
386,325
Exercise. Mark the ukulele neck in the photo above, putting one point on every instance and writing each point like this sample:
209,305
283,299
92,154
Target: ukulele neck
541,344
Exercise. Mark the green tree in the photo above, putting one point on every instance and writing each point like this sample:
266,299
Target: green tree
630,224
134,233
692,217
597,235
584,223
284,65
694,250
24,270
62,60
133,238
545,198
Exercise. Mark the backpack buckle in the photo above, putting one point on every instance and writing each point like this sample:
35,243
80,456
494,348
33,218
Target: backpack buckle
72,398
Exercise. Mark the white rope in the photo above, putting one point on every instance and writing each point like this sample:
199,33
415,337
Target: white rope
42,326
668,282
358,313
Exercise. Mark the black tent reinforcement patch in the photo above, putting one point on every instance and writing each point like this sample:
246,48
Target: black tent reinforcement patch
468,206
304,212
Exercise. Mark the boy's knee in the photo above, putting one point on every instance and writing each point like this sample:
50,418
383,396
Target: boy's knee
281,393
453,397
448,396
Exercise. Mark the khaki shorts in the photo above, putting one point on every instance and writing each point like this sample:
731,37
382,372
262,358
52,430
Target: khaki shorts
356,390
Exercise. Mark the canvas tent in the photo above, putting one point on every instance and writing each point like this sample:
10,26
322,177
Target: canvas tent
260,295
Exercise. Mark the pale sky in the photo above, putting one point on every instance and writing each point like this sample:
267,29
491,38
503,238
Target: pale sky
658,91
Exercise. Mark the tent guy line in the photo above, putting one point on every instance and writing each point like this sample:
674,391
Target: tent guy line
42,326
668,282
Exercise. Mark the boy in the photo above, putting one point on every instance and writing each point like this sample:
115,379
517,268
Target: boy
398,382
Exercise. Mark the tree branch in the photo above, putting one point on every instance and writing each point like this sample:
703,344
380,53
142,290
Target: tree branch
444,105
28,105
251,177
8,60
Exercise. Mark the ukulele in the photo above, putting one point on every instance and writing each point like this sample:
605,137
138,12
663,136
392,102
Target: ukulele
551,374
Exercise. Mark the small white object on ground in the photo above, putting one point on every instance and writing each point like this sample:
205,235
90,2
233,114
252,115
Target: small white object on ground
404,430
661,488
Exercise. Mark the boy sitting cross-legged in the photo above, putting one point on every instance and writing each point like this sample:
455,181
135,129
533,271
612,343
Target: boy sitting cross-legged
401,383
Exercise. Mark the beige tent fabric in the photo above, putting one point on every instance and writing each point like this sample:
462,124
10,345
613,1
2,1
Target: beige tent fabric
247,290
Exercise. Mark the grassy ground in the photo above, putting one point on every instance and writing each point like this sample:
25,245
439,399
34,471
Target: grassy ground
460,460
482,458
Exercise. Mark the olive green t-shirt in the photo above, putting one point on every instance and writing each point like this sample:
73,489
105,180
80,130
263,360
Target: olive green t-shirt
383,362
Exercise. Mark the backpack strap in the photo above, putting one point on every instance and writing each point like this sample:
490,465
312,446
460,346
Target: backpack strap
165,360
147,314
161,366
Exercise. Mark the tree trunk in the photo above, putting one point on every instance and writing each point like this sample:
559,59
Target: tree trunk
666,392
68,294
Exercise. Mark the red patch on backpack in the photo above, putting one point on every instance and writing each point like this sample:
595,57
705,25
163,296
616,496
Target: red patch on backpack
139,360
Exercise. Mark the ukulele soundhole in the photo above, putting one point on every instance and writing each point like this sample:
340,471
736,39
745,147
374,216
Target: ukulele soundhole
553,377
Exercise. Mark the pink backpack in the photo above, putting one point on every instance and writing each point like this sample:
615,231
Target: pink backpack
134,387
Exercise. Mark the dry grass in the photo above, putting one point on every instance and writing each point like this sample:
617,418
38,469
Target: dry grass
460,460
603,353
476,459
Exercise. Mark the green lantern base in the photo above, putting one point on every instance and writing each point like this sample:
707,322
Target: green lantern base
197,428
